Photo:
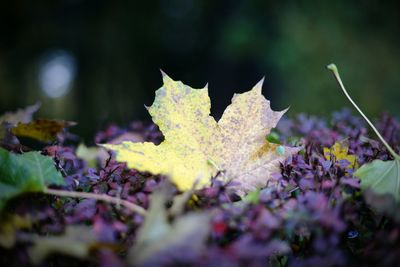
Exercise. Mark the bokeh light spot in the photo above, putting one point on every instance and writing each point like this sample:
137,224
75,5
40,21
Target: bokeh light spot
57,73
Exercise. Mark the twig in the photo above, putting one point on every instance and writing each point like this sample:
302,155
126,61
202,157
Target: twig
103,197
335,72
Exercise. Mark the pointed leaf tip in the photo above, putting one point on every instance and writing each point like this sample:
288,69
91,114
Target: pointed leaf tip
285,110
163,73
258,86
165,76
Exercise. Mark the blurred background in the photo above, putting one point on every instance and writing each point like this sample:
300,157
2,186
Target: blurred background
97,62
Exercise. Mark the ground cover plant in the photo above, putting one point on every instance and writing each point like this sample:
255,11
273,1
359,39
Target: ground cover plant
190,191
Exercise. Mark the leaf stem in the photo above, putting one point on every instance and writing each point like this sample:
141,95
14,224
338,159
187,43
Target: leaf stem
103,197
333,68
212,163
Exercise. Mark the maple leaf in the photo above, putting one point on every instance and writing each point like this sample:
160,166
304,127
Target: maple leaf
197,147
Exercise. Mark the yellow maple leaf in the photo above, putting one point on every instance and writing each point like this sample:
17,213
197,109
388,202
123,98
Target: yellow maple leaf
196,146
339,151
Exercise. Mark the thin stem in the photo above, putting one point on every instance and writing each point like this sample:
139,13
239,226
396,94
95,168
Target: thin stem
335,72
212,163
103,197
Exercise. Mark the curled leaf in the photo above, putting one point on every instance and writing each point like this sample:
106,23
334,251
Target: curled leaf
42,130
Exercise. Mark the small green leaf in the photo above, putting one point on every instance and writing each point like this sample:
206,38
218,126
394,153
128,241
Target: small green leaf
28,172
382,177
273,137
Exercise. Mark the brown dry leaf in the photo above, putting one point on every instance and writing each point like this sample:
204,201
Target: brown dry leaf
41,129
196,146
10,119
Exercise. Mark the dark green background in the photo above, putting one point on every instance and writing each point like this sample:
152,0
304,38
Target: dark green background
119,47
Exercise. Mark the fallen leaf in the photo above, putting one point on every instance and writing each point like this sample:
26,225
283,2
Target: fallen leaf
381,177
27,172
339,151
10,119
196,147
76,242
159,240
21,115
42,130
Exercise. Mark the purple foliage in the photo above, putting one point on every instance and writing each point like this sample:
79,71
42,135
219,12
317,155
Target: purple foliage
316,215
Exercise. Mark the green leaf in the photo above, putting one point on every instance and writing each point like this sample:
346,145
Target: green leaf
273,137
28,172
382,177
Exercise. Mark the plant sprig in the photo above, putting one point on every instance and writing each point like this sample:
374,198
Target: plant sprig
332,67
